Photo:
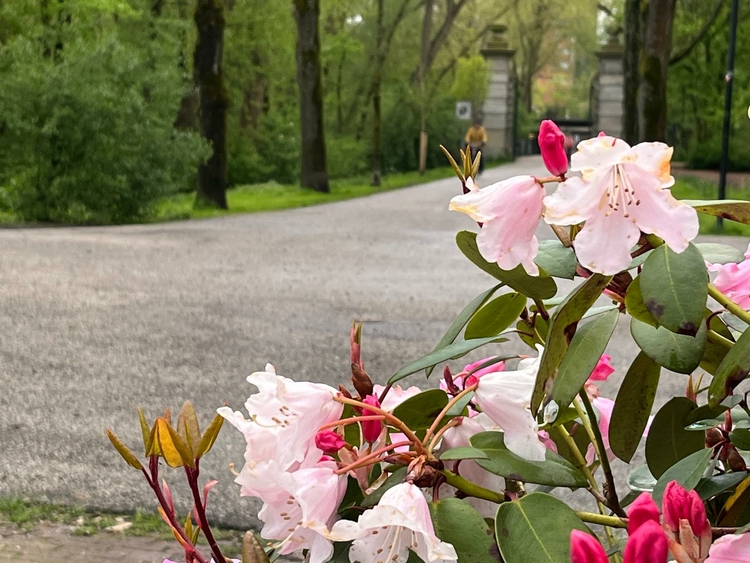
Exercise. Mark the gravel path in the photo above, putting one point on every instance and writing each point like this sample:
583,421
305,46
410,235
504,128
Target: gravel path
96,321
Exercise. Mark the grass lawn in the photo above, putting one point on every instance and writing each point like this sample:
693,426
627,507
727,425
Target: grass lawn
272,196
693,188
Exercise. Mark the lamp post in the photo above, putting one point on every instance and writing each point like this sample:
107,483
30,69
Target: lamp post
727,106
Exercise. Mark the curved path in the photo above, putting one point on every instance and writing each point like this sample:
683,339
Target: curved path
96,321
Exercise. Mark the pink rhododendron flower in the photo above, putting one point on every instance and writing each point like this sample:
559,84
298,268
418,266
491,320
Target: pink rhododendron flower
510,212
505,397
285,416
603,369
642,510
685,516
604,406
586,549
371,428
730,549
733,280
547,441
329,442
396,395
398,523
552,145
648,544
298,508
623,191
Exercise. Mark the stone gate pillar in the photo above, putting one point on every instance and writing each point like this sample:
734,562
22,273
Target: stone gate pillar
498,111
609,93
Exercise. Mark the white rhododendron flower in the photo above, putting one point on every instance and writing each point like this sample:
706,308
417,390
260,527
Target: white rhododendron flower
505,397
509,212
623,190
398,523
285,416
299,507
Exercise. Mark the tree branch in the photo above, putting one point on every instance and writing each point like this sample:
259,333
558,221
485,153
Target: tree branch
677,57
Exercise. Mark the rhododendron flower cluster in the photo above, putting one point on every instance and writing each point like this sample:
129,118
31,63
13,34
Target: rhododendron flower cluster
466,467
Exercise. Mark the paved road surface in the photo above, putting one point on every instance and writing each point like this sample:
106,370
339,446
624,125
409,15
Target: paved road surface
98,320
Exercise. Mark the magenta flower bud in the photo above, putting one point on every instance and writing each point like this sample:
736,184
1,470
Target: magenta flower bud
329,441
697,515
649,544
585,549
675,505
603,369
642,510
371,428
552,144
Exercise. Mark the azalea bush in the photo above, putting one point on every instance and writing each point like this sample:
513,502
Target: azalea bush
466,465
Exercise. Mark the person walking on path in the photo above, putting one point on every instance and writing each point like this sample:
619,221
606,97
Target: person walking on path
476,137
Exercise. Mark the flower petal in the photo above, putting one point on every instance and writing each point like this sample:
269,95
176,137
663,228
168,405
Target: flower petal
654,158
730,549
573,201
604,243
597,153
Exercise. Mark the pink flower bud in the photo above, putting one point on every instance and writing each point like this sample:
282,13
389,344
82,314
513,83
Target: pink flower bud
674,505
648,544
585,549
603,369
642,510
329,441
552,145
697,514
371,428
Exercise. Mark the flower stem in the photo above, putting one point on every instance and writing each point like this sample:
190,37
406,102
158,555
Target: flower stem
200,509
610,521
351,420
717,338
445,410
439,434
370,457
728,304
472,489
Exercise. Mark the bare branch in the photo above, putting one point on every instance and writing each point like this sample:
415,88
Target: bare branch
677,57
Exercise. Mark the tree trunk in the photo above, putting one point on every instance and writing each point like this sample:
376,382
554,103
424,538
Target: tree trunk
314,173
424,62
214,99
631,71
377,149
652,96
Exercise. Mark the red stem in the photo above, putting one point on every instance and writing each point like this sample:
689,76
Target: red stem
192,477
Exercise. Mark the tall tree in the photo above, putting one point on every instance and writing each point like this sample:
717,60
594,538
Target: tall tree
314,171
214,100
632,77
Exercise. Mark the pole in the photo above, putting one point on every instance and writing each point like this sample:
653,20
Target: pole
727,106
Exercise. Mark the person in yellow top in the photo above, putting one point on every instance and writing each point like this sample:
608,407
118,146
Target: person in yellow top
476,137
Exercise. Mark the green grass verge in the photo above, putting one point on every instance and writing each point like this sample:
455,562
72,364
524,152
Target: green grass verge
694,188
271,196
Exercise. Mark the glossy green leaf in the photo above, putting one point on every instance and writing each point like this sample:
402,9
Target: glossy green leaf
668,442
458,407
340,552
732,371
451,352
457,523
635,305
633,406
536,287
554,470
740,437
556,259
715,352
419,412
495,316
687,472
465,452
584,352
732,209
674,288
678,352
641,480
536,529
463,317
563,325
718,253
709,488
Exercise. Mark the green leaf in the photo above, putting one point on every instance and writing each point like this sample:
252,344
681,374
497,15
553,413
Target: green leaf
668,442
556,259
536,529
340,552
640,479
536,287
709,488
674,288
678,352
687,472
495,316
635,305
562,327
419,412
740,437
732,371
584,352
395,478
633,407
463,317
717,253
465,452
451,352
126,453
458,407
714,352
209,436
554,470
732,209
457,523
